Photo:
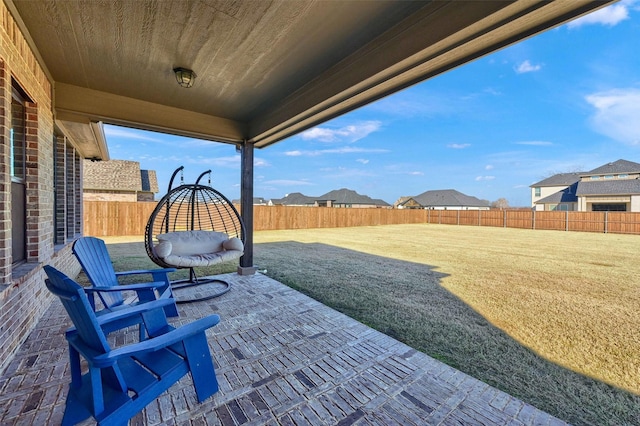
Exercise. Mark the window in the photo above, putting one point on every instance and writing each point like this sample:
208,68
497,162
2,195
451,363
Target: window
537,191
623,176
595,177
68,191
608,176
18,151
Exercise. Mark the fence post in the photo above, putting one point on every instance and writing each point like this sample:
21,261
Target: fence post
533,219
479,217
458,217
566,224
606,221
439,217
504,218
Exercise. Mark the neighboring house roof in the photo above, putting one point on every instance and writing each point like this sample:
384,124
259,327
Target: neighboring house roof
620,166
293,199
256,201
567,195
338,196
118,175
400,201
448,197
559,179
609,187
380,202
348,196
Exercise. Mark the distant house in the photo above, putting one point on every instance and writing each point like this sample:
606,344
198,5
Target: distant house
552,187
611,187
118,180
347,198
401,201
293,199
442,199
257,201
339,198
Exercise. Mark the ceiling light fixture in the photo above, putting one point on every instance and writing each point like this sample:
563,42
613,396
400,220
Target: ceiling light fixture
184,77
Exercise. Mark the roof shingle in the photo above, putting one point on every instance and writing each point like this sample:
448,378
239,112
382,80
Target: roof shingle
559,179
608,187
620,166
448,197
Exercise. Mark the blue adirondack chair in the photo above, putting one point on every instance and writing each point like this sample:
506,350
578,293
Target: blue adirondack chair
94,258
120,382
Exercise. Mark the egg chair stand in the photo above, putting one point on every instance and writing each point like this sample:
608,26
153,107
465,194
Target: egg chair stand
194,225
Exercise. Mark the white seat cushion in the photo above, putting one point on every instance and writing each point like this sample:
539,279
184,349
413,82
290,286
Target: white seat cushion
187,243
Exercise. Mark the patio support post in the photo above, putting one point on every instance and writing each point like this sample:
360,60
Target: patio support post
246,207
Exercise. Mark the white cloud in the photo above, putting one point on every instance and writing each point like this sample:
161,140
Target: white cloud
416,173
527,66
616,114
535,143
488,167
230,161
349,133
459,145
259,162
609,16
481,178
343,150
492,91
362,160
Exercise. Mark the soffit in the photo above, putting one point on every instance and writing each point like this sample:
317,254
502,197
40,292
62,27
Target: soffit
266,69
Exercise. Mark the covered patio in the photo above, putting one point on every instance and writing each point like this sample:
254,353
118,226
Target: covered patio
265,71
281,358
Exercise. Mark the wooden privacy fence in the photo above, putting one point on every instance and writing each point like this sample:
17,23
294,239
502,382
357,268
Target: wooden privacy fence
117,218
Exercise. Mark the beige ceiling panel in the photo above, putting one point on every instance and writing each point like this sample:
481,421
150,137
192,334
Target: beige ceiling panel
78,104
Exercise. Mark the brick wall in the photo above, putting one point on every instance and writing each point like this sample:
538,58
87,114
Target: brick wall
23,296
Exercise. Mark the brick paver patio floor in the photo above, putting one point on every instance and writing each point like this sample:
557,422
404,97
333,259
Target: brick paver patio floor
281,358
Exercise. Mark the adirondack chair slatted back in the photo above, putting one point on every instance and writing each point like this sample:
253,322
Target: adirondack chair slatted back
95,261
77,305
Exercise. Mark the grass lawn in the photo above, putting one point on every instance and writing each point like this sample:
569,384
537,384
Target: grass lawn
549,317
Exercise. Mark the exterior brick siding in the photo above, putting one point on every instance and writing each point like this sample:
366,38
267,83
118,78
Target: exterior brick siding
23,295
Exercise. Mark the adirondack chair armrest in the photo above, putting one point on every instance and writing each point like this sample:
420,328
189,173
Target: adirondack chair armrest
132,287
126,313
155,343
133,310
145,271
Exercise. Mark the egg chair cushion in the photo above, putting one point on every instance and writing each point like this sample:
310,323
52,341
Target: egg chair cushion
197,248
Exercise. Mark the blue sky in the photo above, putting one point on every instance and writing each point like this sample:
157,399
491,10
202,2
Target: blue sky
566,100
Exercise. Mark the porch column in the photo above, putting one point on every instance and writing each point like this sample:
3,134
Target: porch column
246,208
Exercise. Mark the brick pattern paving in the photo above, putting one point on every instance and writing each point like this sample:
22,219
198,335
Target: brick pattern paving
281,359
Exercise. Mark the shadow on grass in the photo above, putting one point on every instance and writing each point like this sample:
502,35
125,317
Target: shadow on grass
406,301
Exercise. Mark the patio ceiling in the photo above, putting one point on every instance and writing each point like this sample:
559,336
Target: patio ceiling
265,69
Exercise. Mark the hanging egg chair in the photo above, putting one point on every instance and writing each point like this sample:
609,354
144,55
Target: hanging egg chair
193,226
